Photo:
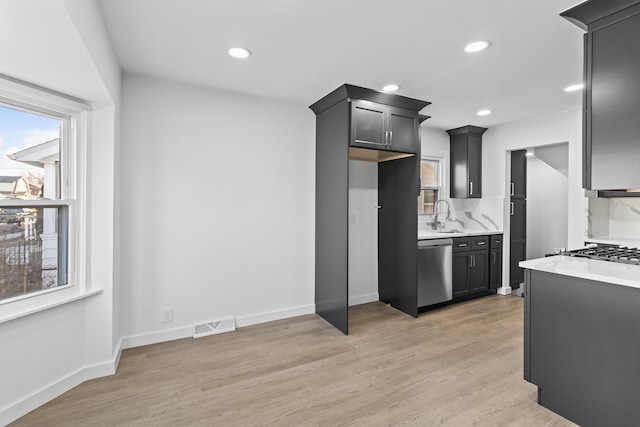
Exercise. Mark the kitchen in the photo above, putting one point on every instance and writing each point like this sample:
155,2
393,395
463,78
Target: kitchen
132,255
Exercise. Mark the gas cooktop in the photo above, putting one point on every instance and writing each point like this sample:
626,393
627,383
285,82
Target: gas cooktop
607,253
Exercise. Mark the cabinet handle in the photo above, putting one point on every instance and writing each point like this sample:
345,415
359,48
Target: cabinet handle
481,243
494,257
471,188
512,188
473,260
462,245
390,137
512,208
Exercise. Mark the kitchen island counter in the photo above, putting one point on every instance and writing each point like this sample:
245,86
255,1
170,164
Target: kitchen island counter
583,268
582,338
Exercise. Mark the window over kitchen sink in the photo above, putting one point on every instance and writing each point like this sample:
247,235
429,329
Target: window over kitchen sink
430,184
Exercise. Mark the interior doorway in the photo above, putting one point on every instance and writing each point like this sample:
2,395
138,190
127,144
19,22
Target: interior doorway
544,214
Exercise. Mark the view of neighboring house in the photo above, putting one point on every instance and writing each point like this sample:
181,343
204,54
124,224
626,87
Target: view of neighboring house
28,236
8,185
45,156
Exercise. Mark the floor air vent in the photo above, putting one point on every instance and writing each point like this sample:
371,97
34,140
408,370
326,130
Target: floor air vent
214,327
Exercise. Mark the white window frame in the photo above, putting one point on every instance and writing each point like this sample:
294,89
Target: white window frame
440,179
73,114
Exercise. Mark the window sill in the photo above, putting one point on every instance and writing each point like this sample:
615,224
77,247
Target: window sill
22,308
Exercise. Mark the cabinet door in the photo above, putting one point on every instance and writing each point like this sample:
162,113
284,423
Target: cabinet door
368,125
479,271
495,268
518,174
516,274
613,104
474,166
459,170
460,273
403,126
518,241
518,221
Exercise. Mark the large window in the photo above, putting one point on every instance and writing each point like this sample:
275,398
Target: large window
430,184
38,168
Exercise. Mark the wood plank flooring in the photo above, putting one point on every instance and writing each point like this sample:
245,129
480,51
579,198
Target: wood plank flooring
457,366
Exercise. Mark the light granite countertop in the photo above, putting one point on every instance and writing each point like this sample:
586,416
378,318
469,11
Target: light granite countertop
462,233
590,269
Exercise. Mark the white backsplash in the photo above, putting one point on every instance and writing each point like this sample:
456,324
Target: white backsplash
469,214
615,218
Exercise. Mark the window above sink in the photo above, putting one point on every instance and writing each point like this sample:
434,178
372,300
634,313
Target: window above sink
431,179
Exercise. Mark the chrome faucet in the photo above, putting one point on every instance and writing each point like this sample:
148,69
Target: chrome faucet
436,205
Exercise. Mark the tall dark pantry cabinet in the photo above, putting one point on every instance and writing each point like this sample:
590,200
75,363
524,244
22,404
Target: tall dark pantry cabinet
362,124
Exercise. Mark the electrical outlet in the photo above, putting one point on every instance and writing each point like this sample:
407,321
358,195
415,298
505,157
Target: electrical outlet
167,314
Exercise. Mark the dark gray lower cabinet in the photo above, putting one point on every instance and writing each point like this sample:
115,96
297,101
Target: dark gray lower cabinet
495,268
471,263
518,242
581,347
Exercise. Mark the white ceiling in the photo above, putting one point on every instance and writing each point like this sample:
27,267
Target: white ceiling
303,49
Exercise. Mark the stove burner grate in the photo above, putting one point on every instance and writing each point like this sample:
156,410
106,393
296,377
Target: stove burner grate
608,253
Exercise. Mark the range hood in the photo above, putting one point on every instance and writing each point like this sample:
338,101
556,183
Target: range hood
635,192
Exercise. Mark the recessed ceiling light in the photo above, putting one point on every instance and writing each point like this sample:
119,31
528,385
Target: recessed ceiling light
390,88
529,153
477,46
239,52
483,112
574,88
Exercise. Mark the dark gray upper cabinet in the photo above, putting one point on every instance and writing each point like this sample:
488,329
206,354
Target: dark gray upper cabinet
518,187
611,129
466,161
377,120
382,127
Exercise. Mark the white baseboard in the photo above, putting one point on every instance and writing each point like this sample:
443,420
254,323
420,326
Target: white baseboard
505,290
157,337
187,331
270,316
364,299
55,389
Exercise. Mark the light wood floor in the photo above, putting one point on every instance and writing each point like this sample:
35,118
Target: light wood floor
457,366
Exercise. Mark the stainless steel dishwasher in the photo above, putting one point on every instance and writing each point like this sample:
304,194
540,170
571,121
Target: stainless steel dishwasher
434,271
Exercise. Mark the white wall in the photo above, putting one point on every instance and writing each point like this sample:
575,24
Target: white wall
363,232
46,353
217,208
554,128
547,208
